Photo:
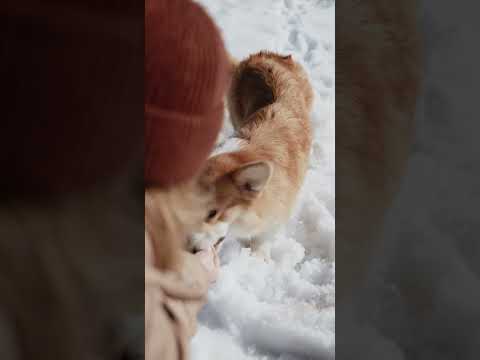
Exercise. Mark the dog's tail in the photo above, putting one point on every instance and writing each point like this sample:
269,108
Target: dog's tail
252,87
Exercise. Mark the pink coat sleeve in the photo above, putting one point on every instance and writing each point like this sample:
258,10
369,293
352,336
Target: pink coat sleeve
172,302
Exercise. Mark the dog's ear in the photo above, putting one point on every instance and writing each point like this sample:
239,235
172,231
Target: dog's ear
252,178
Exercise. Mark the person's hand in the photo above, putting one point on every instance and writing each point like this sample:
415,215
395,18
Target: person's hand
210,261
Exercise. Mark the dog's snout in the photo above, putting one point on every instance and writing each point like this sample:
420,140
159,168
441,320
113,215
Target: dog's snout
195,250
191,247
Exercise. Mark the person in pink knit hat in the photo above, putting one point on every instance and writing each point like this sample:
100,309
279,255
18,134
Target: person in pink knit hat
186,77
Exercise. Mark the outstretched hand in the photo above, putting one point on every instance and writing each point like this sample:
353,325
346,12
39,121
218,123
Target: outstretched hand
210,261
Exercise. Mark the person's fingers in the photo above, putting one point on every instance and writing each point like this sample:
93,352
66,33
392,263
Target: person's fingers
211,262
216,259
215,263
214,255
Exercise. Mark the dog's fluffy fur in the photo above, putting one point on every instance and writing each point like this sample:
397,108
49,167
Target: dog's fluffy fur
270,102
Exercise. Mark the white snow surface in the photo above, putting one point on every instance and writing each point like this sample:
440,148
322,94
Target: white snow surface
284,309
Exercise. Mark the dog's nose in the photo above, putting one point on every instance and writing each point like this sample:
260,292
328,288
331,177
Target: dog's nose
195,250
190,247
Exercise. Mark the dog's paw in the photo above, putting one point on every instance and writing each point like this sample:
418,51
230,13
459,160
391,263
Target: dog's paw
260,255
262,250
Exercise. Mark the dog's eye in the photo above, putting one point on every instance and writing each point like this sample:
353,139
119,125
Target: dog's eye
211,214
249,187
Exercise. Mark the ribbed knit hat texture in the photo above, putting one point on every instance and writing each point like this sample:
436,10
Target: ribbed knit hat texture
186,77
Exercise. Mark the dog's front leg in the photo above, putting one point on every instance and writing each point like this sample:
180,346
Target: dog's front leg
262,248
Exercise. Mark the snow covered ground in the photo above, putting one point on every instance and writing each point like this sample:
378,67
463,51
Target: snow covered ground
282,310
